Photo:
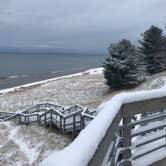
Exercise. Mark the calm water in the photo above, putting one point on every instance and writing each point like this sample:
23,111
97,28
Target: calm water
17,69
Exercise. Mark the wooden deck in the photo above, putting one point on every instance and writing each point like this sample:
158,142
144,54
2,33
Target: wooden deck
67,120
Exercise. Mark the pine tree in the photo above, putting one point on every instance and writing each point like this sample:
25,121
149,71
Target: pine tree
152,46
123,68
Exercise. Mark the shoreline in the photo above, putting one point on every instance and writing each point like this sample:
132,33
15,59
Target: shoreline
14,81
23,69
26,85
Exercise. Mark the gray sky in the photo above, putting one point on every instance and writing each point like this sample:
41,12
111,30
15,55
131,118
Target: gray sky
89,25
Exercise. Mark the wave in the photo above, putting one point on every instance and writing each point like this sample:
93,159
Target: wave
13,76
49,74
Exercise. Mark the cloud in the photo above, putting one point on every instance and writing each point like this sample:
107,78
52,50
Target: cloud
80,25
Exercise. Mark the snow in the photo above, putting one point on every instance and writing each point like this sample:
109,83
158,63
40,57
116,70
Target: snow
29,151
150,126
150,158
135,139
85,89
148,148
95,71
81,150
27,145
151,136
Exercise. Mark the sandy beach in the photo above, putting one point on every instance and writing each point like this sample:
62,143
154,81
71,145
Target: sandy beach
28,145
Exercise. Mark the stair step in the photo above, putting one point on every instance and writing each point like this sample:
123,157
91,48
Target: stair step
148,128
150,158
149,148
148,138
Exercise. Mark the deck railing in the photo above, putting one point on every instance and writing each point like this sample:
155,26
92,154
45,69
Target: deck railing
86,117
130,138
67,120
5,115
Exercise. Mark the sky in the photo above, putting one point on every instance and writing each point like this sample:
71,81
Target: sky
80,25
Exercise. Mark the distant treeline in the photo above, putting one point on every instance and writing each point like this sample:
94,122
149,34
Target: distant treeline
128,65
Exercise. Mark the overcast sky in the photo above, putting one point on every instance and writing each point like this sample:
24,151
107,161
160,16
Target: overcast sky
89,25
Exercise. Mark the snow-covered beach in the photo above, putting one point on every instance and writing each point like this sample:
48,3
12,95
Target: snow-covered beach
28,145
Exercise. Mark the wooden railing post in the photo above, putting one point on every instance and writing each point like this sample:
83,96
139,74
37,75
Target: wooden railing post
37,107
82,122
74,126
38,119
45,118
60,123
50,118
64,125
126,141
25,119
19,118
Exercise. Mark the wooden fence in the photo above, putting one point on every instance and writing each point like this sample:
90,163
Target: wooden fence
67,120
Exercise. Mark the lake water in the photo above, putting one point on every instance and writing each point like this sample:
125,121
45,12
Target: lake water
17,69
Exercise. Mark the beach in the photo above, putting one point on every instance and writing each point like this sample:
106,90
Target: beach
29,145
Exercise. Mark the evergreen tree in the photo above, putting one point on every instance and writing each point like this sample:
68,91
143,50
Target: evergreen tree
153,47
123,68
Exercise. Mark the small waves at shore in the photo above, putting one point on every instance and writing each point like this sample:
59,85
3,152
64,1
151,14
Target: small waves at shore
17,80
13,77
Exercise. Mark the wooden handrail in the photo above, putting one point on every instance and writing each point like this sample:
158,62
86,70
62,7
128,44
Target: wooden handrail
123,155
51,114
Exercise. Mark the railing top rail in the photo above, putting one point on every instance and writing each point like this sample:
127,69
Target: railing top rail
147,105
42,104
72,110
25,110
51,104
57,111
3,112
7,118
89,116
79,106
73,113
28,114
85,110
69,108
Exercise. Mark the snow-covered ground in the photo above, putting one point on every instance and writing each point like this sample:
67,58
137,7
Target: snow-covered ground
28,145
81,150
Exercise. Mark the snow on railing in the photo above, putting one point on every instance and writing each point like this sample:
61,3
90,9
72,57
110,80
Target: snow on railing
115,142
65,119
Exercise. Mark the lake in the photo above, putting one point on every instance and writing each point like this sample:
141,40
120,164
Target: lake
18,69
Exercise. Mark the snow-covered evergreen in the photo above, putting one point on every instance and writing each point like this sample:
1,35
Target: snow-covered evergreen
124,68
153,45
